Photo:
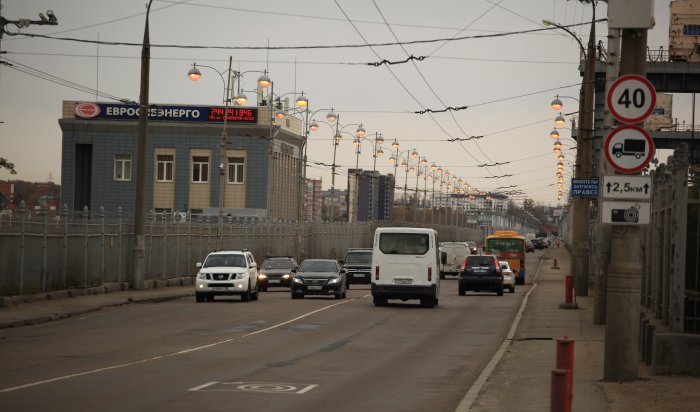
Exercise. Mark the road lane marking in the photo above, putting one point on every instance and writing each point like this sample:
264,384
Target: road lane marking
466,403
172,354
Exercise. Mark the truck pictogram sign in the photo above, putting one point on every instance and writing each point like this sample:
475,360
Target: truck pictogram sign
629,149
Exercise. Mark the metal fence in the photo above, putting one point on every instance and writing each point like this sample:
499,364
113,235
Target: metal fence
670,286
41,253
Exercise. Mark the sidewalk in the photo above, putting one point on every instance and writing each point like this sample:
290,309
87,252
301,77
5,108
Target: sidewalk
521,381
40,311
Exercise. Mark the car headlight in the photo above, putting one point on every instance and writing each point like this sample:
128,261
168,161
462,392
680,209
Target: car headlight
201,276
262,276
334,280
298,280
240,276
286,276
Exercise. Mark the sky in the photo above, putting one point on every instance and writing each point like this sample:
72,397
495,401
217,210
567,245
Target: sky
501,84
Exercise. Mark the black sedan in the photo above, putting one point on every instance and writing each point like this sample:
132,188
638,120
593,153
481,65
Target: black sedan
319,277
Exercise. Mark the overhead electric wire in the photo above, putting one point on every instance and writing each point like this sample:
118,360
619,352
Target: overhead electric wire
338,46
60,81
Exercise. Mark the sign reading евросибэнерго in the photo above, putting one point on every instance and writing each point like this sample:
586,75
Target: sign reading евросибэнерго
584,187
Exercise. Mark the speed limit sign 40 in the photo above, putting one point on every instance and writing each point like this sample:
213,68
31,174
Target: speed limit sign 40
631,99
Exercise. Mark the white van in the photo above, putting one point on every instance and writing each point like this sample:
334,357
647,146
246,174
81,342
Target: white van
452,255
405,265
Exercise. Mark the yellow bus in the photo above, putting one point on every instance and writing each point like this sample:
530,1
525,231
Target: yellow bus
508,245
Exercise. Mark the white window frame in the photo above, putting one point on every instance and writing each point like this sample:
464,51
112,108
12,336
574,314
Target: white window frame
200,167
165,169
236,170
122,167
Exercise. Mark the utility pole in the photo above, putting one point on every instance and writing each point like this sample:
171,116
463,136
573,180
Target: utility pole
138,274
621,358
603,232
584,160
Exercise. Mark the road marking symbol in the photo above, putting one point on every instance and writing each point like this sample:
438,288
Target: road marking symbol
259,387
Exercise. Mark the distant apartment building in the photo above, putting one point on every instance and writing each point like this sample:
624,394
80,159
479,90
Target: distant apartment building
335,207
313,200
370,195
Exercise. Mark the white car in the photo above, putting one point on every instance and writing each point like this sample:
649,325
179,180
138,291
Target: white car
508,276
227,273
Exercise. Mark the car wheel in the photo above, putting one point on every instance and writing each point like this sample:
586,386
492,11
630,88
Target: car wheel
442,276
462,291
245,297
429,302
380,301
199,297
347,286
210,298
499,292
512,289
256,295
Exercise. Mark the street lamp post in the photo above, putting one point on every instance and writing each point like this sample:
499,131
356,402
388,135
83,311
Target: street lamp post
194,74
334,120
583,160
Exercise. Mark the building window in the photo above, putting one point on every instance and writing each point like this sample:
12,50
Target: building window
164,168
122,167
200,169
235,169
691,29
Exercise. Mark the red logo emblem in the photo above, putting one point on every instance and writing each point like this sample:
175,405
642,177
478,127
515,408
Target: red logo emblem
86,110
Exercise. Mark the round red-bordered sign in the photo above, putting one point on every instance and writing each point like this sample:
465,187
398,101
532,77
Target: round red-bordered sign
86,110
631,99
629,148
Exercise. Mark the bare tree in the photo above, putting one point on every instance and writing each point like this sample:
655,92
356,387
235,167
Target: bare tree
5,164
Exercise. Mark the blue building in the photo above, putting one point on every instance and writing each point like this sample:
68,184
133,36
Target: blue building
261,166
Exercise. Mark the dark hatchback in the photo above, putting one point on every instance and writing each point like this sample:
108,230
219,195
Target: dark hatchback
277,271
319,277
481,272
358,265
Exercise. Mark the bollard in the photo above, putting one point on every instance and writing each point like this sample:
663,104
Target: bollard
556,266
565,361
559,396
568,294
569,285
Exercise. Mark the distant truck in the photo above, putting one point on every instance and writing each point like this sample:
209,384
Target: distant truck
630,147
452,255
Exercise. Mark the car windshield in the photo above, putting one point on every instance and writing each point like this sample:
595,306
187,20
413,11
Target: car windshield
318,266
277,264
504,265
359,257
225,260
404,243
476,261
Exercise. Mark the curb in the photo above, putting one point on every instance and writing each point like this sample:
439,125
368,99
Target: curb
74,313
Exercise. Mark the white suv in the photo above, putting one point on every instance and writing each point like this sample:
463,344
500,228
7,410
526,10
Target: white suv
227,273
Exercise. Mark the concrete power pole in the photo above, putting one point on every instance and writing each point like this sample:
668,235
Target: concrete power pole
621,360
602,243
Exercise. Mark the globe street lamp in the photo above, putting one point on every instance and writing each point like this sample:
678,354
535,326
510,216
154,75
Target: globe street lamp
334,123
583,157
195,74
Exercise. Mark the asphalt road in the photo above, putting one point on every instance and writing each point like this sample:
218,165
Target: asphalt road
275,354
